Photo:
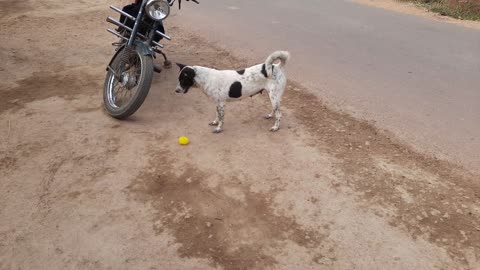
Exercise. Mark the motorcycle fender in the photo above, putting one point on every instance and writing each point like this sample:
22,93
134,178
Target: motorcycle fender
139,47
144,49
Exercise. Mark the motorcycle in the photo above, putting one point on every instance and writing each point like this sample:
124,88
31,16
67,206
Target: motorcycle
130,71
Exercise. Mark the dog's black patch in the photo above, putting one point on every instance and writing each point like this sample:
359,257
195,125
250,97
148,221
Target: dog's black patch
235,90
241,72
186,78
264,71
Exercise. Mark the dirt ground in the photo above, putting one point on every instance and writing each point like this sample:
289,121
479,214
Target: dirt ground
81,190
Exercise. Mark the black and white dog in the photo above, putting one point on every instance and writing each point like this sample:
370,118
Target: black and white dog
231,85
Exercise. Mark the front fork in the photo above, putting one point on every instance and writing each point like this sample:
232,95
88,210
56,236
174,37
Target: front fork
167,63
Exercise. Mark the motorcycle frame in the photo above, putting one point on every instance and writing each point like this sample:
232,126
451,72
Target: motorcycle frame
146,45
134,32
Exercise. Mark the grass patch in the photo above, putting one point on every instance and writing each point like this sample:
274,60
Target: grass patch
460,9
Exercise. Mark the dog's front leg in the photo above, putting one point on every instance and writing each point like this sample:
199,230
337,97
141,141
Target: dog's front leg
220,117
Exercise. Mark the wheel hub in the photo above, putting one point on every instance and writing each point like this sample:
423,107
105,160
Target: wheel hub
128,81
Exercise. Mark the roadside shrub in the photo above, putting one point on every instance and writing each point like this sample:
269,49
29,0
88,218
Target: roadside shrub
460,9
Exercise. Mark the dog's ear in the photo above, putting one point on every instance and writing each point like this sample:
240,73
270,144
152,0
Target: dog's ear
180,66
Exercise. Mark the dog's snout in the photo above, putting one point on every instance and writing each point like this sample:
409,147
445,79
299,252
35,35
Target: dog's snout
178,89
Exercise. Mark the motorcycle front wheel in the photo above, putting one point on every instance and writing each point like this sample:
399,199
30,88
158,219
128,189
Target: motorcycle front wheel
127,83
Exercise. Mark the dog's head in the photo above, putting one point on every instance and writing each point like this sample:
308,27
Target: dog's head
186,79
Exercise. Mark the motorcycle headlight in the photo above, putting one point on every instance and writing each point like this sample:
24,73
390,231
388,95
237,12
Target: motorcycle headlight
157,9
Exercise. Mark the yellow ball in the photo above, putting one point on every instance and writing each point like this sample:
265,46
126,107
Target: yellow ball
183,140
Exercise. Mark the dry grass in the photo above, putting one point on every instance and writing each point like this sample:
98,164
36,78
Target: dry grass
460,9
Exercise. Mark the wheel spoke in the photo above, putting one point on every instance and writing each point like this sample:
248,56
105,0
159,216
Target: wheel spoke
121,96
116,94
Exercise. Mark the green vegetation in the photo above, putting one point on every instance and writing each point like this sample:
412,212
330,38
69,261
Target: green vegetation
460,9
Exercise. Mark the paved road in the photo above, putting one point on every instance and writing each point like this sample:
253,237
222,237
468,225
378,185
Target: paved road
414,76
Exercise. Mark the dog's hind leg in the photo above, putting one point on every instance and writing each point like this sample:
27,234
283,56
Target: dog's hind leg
278,116
215,122
275,98
221,116
272,98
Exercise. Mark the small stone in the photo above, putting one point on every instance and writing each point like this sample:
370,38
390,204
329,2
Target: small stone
189,180
367,143
210,236
208,224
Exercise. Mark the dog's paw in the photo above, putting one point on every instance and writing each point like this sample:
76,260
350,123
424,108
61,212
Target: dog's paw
217,130
274,129
214,123
268,116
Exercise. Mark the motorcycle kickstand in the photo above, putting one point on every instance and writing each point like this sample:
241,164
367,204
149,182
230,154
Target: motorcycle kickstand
167,63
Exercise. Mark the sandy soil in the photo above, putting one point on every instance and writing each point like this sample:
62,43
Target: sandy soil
83,191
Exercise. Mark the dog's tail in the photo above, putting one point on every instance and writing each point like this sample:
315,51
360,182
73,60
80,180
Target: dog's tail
283,56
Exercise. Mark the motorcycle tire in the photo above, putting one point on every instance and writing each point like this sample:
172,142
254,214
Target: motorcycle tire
143,84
